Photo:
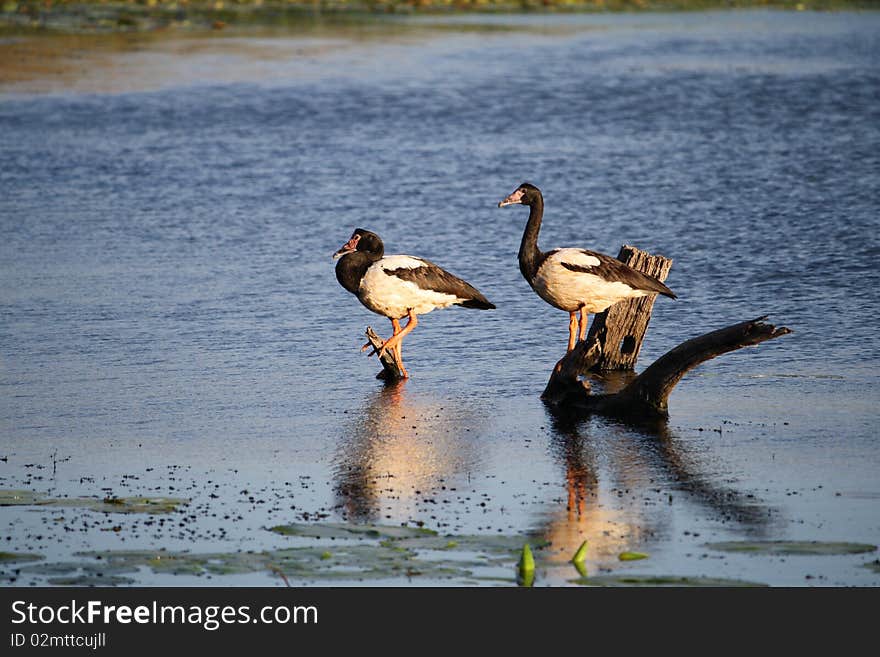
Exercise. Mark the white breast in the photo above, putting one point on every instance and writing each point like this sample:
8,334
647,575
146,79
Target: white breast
570,290
393,297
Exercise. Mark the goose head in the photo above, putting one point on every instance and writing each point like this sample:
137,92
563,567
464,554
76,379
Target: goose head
363,241
525,194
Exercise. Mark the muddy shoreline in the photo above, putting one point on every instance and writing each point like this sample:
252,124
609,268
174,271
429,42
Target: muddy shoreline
30,17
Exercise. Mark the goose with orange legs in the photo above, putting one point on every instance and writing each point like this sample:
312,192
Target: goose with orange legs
399,286
577,281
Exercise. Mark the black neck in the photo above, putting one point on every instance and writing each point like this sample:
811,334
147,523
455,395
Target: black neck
529,253
351,269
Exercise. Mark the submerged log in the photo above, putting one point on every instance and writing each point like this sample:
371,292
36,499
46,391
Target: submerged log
646,396
621,329
390,369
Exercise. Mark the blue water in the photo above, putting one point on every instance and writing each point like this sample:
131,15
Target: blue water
168,296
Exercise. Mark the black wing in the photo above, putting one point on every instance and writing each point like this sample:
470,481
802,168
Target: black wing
612,269
429,276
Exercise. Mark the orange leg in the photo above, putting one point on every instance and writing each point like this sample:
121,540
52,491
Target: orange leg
572,330
582,333
393,344
395,339
397,350
395,326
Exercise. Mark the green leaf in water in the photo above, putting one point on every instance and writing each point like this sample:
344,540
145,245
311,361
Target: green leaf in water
525,569
632,556
526,559
526,579
581,554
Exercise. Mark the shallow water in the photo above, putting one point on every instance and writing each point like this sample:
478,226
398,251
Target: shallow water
170,323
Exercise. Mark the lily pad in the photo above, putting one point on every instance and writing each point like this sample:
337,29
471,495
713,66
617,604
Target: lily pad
78,567
815,548
382,553
873,565
90,580
660,580
106,505
18,557
483,543
123,504
356,561
402,538
18,497
343,530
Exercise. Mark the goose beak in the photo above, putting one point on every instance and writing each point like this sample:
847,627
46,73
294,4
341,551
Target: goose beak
513,199
349,247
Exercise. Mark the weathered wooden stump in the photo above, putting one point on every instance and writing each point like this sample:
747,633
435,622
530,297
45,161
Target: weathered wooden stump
390,370
614,342
621,329
646,396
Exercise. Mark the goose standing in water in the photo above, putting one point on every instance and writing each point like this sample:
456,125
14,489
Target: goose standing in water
399,286
575,280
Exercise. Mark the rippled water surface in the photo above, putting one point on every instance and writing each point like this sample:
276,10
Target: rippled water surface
170,322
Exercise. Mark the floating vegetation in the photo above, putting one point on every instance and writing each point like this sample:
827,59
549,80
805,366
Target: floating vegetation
497,544
353,562
660,580
75,573
814,548
873,565
18,497
415,538
342,530
358,553
417,548
632,556
105,505
90,580
18,557
75,567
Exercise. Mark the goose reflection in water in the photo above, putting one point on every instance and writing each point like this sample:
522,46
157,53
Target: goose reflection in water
402,446
643,469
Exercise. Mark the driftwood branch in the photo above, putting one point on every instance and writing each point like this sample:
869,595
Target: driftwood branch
646,396
390,370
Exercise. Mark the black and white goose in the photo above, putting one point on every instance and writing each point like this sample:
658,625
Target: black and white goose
575,280
399,286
